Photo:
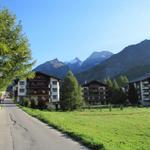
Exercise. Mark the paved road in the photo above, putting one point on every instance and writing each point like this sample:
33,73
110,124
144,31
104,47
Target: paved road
19,131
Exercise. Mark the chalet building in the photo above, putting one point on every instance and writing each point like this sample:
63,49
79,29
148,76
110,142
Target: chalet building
142,85
95,92
41,87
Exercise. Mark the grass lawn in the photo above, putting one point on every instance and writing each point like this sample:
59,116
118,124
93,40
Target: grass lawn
116,130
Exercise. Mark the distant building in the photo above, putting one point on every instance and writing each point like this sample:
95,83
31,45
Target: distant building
41,87
142,85
95,92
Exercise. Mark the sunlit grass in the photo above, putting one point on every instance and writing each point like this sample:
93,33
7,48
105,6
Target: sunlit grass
116,130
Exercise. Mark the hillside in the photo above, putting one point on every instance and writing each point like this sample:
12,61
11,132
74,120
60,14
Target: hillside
53,67
94,59
128,61
59,68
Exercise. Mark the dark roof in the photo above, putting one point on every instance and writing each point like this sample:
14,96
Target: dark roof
43,73
144,77
94,81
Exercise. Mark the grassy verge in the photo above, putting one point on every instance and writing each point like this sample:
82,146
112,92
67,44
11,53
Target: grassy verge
117,130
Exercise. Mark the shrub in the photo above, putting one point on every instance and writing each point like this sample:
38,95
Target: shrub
32,103
25,102
41,104
50,107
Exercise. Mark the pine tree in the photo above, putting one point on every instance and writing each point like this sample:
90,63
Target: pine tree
132,94
109,83
71,93
115,85
126,80
15,54
122,81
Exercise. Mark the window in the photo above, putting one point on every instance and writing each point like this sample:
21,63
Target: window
54,96
54,89
34,91
54,82
43,91
22,90
22,82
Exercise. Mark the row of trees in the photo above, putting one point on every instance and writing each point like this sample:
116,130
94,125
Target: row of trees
116,91
71,92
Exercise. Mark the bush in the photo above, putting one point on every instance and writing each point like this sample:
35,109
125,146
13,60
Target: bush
32,103
41,104
50,107
25,102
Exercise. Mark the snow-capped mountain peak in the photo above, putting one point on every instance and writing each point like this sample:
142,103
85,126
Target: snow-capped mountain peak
76,60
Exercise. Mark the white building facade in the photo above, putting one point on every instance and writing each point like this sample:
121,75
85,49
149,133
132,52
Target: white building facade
142,86
42,87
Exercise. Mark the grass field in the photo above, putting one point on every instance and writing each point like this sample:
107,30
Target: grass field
116,130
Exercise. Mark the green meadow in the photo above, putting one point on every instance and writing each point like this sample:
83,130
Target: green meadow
127,129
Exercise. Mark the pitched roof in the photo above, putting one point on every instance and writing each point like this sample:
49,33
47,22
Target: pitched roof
94,81
144,77
47,74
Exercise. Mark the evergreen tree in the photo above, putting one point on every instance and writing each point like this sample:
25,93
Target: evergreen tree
126,80
132,94
71,93
15,54
109,83
122,80
115,85
116,95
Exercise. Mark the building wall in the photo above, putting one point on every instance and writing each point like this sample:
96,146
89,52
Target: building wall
41,87
54,90
95,93
143,90
22,90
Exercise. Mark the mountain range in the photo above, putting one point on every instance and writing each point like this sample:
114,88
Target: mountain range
133,61
59,68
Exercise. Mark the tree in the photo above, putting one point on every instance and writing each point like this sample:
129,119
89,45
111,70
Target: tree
115,85
116,95
109,83
122,81
71,94
15,54
132,94
126,80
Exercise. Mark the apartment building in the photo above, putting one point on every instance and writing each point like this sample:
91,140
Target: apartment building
42,87
95,92
142,85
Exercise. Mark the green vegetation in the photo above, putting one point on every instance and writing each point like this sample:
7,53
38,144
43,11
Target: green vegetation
15,54
128,129
71,94
133,95
116,91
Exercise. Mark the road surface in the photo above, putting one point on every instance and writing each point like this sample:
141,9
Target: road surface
19,131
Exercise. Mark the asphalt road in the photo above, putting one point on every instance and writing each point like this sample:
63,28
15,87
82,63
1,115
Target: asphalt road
19,131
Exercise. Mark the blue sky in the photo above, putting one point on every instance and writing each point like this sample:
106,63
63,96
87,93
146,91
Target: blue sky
69,28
